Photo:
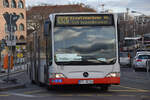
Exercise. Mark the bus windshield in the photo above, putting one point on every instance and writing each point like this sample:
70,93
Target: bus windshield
79,45
129,42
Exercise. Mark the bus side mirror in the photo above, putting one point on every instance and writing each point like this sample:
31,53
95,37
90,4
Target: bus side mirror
47,27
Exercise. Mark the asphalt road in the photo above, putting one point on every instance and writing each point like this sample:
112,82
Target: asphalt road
134,86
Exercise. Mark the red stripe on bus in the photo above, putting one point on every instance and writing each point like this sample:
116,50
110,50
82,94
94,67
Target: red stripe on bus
67,81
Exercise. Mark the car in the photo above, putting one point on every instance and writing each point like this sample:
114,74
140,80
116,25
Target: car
140,52
125,59
139,61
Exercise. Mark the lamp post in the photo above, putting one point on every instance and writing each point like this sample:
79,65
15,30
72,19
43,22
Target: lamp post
126,19
135,26
140,21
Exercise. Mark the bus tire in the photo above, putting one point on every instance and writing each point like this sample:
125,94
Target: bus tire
31,78
33,82
50,87
105,87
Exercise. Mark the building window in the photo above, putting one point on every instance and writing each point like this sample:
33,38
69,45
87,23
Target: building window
14,13
20,4
13,4
21,16
6,28
5,3
22,38
21,27
15,27
16,38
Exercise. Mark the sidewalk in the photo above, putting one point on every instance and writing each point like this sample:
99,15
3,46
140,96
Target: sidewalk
17,78
16,68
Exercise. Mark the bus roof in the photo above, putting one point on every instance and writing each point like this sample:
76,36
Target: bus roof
132,38
80,13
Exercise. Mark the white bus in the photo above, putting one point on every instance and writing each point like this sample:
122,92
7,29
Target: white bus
131,43
77,49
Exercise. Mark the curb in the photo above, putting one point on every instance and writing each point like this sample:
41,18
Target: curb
13,87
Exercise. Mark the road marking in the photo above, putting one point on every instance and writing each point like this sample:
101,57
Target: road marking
22,95
46,94
65,95
85,95
129,91
35,91
104,95
4,95
127,95
133,88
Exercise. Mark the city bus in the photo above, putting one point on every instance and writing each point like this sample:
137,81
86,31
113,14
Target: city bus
131,43
146,41
76,49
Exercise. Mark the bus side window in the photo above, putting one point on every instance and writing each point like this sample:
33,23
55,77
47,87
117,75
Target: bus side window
47,27
50,48
118,36
118,29
47,34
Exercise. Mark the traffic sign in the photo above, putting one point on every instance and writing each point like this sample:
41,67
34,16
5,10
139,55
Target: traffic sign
20,55
10,40
2,44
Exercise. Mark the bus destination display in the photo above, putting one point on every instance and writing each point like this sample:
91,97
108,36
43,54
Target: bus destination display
80,20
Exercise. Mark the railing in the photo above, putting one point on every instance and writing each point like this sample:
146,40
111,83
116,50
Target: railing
19,65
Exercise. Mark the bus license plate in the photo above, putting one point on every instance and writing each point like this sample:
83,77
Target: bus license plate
86,82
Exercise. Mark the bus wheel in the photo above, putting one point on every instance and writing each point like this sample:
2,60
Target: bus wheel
33,82
31,78
105,87
50,87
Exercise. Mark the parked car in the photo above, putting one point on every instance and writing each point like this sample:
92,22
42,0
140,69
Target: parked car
139,61
125,59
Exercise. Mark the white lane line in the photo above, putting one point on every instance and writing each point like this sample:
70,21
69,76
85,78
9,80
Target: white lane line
22,95
132,88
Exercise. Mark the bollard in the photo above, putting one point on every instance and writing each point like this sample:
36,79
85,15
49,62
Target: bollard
147,67
27,69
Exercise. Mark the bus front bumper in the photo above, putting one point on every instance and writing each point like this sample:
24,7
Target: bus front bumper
75,81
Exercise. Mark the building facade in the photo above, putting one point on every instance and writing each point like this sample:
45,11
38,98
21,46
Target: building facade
15,7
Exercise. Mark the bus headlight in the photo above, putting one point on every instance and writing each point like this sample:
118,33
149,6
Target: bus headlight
57,75
113,74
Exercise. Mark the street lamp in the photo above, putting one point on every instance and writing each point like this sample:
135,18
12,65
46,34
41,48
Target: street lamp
137,12
140,21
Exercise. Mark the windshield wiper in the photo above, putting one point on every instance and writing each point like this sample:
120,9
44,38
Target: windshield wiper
87,62
103,62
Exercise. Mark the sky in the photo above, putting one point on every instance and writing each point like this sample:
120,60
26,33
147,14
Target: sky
142,6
